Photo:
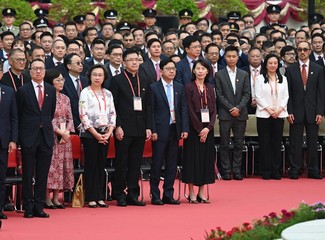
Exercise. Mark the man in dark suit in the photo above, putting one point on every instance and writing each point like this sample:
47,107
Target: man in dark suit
74,83
317,41
169,124
212,54
114,66
150,68
306,109
6,38
184,67
133,124
321,62
8,136
58,52
233,93
36,106
98,53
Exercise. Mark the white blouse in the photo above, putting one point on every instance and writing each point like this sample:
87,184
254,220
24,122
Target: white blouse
96,110
271,95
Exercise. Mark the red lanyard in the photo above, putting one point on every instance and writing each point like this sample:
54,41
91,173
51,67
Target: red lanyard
131,84
205,95
100,109
13,82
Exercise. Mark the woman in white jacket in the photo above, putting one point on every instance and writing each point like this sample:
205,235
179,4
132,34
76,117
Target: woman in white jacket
271,90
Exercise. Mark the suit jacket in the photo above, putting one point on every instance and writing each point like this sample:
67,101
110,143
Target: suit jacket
148,71
6,80
264,98
90,62
8,116
226,98
312,57
50,64
161,111
2,57
133,123
321,63
309,102
107,82
183,73
32,118
70,90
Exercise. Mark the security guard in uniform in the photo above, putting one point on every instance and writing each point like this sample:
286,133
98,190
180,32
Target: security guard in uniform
273,13
9,18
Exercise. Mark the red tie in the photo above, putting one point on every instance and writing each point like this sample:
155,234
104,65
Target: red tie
157,71
304,74
40,96
116,72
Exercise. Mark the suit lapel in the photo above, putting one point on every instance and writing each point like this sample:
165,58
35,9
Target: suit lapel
228,81
71,87
152,69
32,93
176,94
162,92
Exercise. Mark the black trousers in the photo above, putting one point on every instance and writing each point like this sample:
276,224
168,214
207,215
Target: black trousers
35,160
127,167
167,150
270,133
295,152
238,128
3,171
95,159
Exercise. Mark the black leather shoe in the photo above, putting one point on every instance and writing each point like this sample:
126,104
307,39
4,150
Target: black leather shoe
59,206
109,198
28,214
8,208
156,201
2,215
238,177
41,214
276,176
170,200
293,176
135,202
315,176
226,177
52,206
121,202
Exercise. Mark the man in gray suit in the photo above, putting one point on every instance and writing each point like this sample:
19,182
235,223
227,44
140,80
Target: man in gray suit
233,92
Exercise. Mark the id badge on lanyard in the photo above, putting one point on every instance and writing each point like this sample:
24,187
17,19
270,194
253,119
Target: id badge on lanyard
137,104
205,116
103,120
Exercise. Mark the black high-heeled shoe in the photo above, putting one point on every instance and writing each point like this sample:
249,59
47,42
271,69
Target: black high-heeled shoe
199,199
192,201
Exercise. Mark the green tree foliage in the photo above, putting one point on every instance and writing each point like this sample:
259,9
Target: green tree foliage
319,8
172,7
128,10
64,10
222,7
23,9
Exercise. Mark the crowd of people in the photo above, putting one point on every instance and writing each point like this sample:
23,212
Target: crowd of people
134,84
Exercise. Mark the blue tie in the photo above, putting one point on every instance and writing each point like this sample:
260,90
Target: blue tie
169,98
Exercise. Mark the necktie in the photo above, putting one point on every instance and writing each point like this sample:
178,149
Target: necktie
40,96
78,86
157,71
192,64
58,63
169,98
117,72
319,57
304,74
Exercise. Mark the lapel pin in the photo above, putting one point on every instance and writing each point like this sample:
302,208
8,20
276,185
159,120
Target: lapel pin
46,95
143,89
3,93
311,72
237,80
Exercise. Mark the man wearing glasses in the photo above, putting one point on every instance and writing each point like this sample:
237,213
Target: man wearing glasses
14,78
306,110
36,106
133,123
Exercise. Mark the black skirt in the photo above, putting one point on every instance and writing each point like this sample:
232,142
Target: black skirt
198,160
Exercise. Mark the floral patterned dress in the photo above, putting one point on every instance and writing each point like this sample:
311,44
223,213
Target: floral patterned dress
60,175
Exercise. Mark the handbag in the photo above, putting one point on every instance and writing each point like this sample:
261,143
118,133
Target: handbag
78,199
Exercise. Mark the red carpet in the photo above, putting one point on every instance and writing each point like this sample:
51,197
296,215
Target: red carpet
232,204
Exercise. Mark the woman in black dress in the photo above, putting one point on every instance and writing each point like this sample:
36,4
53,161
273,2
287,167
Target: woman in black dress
198,164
